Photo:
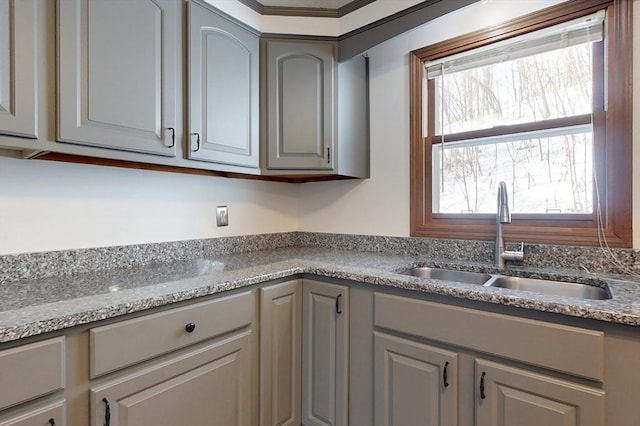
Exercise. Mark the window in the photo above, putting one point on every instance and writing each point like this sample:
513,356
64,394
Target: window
526,103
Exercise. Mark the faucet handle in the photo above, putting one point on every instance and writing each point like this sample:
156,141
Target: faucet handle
522,247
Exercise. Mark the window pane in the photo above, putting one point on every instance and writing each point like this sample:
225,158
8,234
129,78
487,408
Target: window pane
543,175
550,85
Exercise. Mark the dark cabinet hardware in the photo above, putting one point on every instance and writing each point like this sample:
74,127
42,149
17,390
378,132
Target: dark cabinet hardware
107,412
190,327
338,304
482,394
173,136
197,135
445,379
328,155
52,422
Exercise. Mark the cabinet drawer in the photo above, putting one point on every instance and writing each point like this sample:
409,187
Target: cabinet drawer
125,343
30,371
41,416
572,350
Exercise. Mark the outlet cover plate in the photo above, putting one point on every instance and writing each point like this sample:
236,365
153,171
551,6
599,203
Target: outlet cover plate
222,216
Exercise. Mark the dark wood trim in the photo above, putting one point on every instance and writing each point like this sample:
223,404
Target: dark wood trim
613,159
620,125
311,12
353,6
81,159
522,25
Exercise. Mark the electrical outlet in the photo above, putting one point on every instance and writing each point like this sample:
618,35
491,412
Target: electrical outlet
222,216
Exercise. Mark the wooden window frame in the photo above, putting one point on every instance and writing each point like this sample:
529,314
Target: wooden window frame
613,159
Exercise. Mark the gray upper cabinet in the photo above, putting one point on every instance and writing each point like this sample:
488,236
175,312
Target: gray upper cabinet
18,94
300,107
315,110
223,90
117,70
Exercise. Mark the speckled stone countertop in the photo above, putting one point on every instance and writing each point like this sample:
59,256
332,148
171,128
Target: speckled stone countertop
37,306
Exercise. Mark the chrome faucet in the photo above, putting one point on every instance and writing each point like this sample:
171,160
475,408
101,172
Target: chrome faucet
504,216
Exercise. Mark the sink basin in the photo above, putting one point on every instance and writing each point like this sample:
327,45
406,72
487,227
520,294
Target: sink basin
558,288
449,275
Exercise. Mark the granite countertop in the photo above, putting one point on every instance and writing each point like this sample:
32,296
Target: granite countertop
33,307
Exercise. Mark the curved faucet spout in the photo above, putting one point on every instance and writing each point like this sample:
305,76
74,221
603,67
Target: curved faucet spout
504,216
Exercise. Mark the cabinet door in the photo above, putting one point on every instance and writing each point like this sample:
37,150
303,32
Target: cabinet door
280,354
117,74
415,383
300,105
53,414
324,354
18,94
211,386
509,396
223,90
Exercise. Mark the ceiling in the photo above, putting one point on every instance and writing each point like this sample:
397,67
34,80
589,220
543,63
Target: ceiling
320,8
313,4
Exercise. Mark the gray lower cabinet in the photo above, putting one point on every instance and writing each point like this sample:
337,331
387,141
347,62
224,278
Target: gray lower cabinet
18,91
314,109
512,396
209,386
50,414
32,377
223,89
280,354
117,74
414,383
410,381
325,357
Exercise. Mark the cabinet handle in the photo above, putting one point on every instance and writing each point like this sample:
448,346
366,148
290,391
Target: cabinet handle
338,304
52,422
482,394
107,412
190,327
445,380
197,135
173,136
329,155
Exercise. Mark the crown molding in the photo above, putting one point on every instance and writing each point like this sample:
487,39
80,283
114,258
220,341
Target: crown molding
305,11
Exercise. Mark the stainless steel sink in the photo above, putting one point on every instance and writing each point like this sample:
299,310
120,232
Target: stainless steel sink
558,288
448,275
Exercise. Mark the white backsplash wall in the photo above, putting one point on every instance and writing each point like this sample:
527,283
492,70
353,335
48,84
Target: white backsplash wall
52,206
380,206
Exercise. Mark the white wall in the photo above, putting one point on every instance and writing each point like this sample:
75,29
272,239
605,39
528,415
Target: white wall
52,206
380,206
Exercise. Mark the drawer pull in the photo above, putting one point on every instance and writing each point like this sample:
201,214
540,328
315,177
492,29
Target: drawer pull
445,380
338,304
107,412
52,422
190,327
482,394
